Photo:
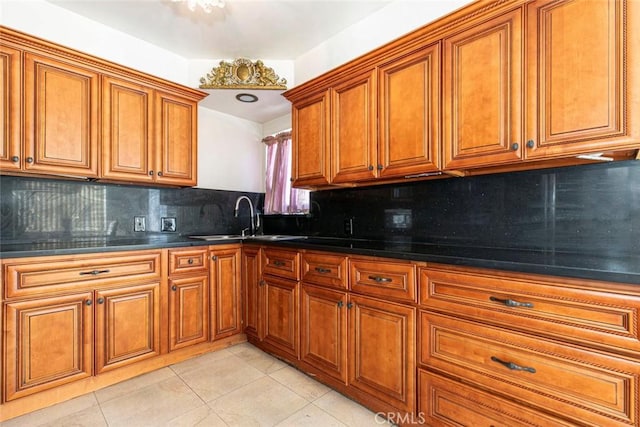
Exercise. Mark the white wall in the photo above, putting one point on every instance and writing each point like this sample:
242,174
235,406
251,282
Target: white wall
230,156
387,24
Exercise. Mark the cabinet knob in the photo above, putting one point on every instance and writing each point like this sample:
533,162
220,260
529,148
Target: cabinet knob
88,302
100,300
370,167
349,305
15,159
530,143
150,173
340,304
174,288
515,146
159,173
380,167
214,258
29,159
261,283
190,261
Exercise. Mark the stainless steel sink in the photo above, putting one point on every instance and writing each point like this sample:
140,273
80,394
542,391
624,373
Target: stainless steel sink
268,237
273,237
219,237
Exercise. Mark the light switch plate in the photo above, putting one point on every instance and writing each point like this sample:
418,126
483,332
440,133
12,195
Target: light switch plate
139,223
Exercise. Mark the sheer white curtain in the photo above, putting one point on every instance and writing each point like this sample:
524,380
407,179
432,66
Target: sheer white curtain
280,197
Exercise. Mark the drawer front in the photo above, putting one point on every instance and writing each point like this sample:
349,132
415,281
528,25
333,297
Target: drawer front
390,279
587,387
442,401
602,319
183,261
282,263
36,276
324,269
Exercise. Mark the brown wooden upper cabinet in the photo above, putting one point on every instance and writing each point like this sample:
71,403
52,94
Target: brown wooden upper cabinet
66,113
61,117
483,93
582,76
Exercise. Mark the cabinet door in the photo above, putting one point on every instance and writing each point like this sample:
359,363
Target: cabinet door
10,107
382,350
176,147
281,314
323,330
311,146
585,48
127,130
354,146
483,93
61,117
252,298
127,325
226,307
409,102
49,342
188,311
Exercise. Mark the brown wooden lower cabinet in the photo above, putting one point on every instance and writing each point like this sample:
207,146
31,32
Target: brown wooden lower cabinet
281,314
253,299
226,306
188,311
445,402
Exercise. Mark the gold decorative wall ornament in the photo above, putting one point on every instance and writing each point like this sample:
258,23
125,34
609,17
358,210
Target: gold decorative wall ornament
242,74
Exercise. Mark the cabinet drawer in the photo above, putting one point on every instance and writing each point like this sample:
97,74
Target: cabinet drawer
282,263
384,278
324,269
183,261
604,319
585,386
442,401
27,277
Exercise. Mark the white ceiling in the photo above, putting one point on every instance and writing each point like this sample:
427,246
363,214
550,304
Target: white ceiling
253,29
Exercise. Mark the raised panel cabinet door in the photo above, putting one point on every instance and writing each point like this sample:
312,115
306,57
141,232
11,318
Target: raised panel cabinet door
10,108
409,117
582,76
323,330
281,314
311,141
226,304
127,130
127,325
354,145
253,298
49,342
188,311
177,140
61,117
382,350
483,93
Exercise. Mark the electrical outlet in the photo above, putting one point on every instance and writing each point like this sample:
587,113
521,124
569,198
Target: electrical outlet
348,227
168,224
139,223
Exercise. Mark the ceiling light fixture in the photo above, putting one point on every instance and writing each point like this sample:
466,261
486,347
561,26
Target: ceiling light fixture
246,97
206,5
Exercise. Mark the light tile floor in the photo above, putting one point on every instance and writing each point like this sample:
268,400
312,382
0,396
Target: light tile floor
236,386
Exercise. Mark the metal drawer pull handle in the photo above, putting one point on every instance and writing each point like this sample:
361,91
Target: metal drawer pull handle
380,279
323,270
278,263
513,366
512,303
93,273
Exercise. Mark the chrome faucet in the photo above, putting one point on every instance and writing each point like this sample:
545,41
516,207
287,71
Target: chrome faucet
255,218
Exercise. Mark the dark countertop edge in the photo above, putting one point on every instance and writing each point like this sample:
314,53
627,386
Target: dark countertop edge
519,267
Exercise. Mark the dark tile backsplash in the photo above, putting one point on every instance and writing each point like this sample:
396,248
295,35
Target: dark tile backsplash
41,209
591,209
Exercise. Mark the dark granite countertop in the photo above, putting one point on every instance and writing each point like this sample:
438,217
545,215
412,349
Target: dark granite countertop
618,268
